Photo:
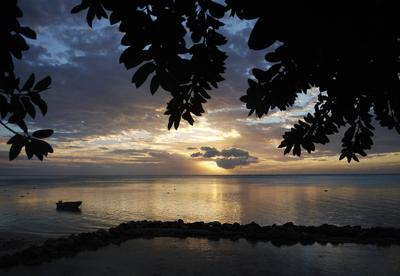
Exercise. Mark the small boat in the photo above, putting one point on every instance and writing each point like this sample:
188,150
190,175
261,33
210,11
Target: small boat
68,205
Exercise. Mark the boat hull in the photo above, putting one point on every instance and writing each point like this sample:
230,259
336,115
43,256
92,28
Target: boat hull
68,205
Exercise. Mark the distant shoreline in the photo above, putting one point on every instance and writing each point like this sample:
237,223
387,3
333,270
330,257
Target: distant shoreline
278,235
201,175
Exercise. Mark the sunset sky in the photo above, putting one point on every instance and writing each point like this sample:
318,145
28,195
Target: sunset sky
104,125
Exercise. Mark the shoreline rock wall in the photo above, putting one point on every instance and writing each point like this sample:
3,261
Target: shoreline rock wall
278,235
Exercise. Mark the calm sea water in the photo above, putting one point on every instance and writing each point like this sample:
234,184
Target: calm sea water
194,256
27,204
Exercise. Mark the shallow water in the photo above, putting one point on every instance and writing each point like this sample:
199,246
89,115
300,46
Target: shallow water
27,204
194,256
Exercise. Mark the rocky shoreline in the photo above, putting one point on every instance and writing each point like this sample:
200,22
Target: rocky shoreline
278,235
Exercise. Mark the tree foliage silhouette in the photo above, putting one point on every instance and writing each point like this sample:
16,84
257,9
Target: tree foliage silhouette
350,51
17,102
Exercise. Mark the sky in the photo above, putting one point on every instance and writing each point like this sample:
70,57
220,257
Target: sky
104,125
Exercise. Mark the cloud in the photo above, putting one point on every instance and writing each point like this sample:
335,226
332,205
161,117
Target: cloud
73,147
234,152
231,163
210,152
228,158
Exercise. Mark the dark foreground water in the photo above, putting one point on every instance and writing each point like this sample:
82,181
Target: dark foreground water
27,204
194,256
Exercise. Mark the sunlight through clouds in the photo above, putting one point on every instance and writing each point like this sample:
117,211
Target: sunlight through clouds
203,132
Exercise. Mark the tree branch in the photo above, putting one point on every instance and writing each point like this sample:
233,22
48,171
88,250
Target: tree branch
7,127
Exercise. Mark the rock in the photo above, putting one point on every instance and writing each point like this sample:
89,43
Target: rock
227,227
236,226
214,223
286,234
251,227
196,225
214,226
288,225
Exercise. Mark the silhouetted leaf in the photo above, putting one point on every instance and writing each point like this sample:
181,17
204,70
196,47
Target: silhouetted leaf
216,38
261,36
132,57
38,148
41,148
29,106
43,84
43,133
15,149
114,18
90,16
170,122
17,120
29,83
79,8
22,125
177,121
216,10
29,150
188,117
259,74
37,100
16,139
297,150
142,73
28,32
154,84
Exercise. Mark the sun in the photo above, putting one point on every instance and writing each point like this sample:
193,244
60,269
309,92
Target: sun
211,167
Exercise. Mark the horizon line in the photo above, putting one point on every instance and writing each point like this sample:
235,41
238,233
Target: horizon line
208,175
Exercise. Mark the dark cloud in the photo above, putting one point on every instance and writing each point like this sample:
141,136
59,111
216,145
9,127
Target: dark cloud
234,152
210,152
230,163
228,158
129,152
73,147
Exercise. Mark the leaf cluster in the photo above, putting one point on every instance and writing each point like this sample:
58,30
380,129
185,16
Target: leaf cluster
175,44
349,51
17,100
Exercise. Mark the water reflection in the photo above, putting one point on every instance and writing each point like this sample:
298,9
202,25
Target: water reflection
71,211
354,200
193,256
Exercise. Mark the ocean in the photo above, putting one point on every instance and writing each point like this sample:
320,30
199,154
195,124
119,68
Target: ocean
27,203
